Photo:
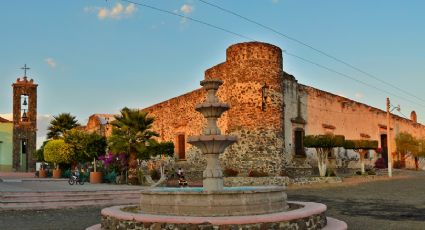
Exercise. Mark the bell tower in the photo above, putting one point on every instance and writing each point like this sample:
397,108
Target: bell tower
24,123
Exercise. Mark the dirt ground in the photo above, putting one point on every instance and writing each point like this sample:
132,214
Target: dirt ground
363,203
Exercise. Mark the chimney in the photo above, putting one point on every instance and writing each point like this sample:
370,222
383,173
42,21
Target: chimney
413,116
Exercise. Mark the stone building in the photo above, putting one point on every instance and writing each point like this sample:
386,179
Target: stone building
270,113
100,124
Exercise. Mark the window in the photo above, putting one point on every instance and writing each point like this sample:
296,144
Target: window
299,142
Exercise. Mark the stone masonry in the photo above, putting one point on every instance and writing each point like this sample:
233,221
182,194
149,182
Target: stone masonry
24,129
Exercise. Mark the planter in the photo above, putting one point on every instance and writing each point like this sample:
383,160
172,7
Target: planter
42,173
96,177
56,173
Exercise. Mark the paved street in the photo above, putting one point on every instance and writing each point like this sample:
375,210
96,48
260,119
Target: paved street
364,204
381,204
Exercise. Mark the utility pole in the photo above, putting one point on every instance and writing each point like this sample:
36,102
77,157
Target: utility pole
390,157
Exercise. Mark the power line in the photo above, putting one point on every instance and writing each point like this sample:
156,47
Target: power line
313,48
349,77
189,18
246,37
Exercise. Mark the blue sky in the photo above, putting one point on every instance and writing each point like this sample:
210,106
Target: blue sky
95,56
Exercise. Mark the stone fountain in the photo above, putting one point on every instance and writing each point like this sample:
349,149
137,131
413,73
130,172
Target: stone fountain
214,206
212,142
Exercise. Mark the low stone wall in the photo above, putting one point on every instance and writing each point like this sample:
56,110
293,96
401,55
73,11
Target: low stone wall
279,181
306,216
312,180
255,181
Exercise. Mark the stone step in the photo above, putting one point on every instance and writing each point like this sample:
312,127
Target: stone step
23,199
65,204
64,199
67,193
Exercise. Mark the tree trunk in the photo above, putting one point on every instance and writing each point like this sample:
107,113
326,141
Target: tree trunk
322,157
132,168
94,164
362,153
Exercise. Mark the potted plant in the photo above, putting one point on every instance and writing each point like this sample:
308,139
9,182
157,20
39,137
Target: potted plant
95,145
42,173
57,151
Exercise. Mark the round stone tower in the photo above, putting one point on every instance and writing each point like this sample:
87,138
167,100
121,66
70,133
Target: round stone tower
252,76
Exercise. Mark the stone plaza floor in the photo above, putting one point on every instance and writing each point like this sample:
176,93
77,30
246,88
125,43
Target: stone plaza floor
363,203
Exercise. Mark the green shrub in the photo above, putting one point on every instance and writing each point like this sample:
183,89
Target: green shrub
110,177
229,172
57,151
66,173
330,172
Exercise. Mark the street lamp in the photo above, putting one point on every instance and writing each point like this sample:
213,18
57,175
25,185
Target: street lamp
390,157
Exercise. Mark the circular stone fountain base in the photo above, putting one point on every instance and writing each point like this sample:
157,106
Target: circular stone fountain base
231,201
301,215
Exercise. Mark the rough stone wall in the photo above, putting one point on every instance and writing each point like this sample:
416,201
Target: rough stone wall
248,67
24,129
178,116
100,123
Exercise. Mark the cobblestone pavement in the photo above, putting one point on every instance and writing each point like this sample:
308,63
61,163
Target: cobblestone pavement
364,204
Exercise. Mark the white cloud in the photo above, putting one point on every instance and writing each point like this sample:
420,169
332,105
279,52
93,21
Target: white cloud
50,62
8,116
187,9
116,12
358,95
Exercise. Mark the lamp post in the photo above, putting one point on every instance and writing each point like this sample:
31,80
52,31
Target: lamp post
390,156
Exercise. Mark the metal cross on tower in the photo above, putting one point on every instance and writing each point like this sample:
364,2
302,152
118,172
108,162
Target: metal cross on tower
25,68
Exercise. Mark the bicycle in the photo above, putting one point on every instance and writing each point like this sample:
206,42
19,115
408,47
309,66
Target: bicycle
74,180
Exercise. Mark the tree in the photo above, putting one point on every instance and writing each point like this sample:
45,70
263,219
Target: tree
407,145
361,147
39,154
131,133
323,145
60,124
85,146
57,151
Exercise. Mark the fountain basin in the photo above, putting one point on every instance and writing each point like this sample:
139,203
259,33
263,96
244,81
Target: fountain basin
231,201
304,215
212,109
212,144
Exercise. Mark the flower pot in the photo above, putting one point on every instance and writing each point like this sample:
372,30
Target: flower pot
42,173
96,177
56,173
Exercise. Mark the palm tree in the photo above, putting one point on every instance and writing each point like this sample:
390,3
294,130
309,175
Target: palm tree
131,133
60,124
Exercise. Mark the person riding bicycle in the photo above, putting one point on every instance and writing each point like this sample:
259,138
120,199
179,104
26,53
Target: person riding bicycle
77,173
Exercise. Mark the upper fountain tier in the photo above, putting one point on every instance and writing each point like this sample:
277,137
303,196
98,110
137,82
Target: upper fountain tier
212,108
